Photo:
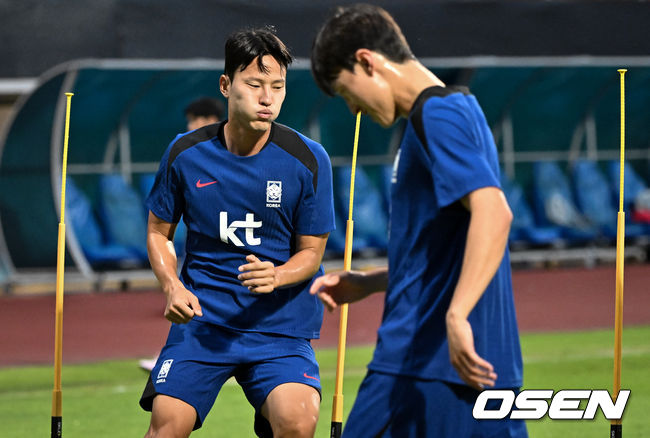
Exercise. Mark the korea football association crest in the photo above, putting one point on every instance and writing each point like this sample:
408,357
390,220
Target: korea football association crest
164,370
273,193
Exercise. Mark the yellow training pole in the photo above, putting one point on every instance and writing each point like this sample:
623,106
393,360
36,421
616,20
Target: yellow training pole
57,418
337,405
616,428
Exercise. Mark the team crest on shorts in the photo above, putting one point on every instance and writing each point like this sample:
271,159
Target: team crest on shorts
164,370
273,193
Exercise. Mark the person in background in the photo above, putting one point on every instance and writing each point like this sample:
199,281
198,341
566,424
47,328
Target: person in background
203,111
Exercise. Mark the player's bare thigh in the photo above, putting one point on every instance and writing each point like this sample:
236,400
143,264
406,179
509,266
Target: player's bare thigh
292,409
171,418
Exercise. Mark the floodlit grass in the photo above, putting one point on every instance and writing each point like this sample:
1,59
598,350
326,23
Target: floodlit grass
100,400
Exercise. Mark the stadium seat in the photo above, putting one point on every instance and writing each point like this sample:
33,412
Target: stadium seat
635,196
594,198
370,217
145,184
554,204
523,230
633,184
120,210
99,253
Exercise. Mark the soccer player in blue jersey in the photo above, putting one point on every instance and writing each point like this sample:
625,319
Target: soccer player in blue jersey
256,197
449,327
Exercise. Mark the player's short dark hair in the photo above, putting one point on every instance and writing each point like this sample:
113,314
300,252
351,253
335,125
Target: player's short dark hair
349,28
243,46
205,107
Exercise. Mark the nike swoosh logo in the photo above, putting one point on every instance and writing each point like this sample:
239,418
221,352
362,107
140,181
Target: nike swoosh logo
310,377
199,184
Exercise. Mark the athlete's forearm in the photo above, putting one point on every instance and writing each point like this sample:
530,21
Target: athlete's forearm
302,266
163,260
375,280
486,243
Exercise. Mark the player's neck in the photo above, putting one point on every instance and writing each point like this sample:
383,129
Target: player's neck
242,140
408,80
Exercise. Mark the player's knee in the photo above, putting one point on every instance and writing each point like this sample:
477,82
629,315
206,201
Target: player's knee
302,426
292,410
298,423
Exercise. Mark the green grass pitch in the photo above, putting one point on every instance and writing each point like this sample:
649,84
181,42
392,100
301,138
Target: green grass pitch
100,400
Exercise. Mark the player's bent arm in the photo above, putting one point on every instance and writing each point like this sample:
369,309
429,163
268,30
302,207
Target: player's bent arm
264,277
487,237
182,305
304,264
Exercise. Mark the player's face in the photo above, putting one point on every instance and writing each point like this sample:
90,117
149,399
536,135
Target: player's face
370,94
255,97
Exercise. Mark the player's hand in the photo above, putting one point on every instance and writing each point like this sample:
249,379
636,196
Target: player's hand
339,288
258,276
474,370
182,305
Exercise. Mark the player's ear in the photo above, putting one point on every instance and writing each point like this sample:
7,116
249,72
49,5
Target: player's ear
224,85
366,60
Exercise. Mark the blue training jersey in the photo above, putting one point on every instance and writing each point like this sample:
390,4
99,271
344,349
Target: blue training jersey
234,206
447,152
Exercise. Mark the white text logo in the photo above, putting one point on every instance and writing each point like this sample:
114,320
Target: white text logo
227,232
532,404
273,193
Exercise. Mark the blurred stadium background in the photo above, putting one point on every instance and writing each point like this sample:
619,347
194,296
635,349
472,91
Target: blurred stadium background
543,71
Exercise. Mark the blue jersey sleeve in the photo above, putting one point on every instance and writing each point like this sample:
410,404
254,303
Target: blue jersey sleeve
462,153
166,200
316,213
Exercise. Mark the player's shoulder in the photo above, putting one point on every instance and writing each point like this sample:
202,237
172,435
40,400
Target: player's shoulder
186,141
298,145
439,109
307,152
439,98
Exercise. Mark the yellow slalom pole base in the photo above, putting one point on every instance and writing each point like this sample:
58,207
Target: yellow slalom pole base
337,403
616,428
58,337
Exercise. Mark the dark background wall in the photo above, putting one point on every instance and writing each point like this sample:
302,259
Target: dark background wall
37,34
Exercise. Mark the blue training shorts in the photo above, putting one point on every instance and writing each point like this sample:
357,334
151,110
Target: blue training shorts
397,406
199,357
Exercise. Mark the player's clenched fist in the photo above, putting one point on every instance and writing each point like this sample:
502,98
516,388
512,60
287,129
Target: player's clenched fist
182,305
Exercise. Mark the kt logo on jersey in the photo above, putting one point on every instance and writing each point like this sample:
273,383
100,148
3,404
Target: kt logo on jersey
227,230
273,193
